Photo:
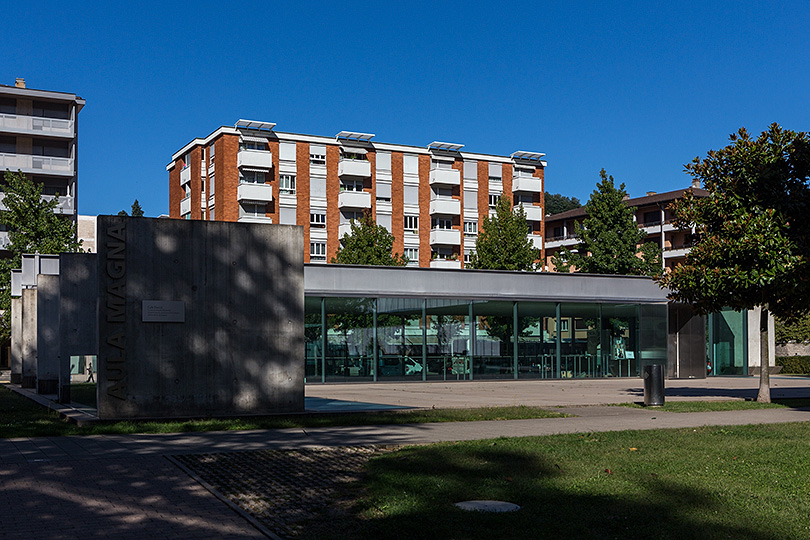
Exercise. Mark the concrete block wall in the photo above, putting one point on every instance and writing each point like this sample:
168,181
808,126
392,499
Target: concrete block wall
237,347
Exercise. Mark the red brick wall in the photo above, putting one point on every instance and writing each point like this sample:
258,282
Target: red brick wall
302,191
483,193
506,179
332,193
175,191
227,177
424,211
272,178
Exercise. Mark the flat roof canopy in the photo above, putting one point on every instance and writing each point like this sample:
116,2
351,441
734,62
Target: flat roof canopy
527,156
254,124
354,136
335,280
445,146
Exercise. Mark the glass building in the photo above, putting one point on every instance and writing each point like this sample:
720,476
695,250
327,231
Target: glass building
378,324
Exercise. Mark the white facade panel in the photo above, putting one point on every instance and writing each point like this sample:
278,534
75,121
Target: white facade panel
410,164
317,186
383,190
354,199
286,151
383,162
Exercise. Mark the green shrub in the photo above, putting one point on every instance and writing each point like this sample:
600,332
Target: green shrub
797,365
796,331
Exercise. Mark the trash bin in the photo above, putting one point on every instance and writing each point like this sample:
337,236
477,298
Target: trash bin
653,385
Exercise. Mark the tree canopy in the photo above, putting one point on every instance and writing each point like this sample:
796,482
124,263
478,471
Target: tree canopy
34,225
135,211
609,238
368,244
752,232
557,203
503,242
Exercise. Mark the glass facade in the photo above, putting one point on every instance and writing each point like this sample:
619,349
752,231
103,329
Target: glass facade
377,339
727,343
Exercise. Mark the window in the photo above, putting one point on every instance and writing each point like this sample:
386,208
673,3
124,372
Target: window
471,228
317,220
187,189
211,183
350,216
211,214
411,223
317,159
251,177
467,257
286,184
442,223
493,199
652,218
211,150
317,251
351,153
496,179
252,145
443,193
525,198
252,210
413,256
351,185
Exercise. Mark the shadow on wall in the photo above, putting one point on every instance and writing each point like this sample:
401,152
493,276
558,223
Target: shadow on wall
237,346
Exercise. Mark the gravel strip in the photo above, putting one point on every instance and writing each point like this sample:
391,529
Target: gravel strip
283,489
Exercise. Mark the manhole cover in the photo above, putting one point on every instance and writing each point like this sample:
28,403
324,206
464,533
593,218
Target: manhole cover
488,506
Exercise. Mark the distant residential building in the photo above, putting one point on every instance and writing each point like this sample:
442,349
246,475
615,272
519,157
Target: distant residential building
433,199
650,212
86,231
39,137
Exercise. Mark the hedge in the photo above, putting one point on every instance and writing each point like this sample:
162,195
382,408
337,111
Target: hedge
796,365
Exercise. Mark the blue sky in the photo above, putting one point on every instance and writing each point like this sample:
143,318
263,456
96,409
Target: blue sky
639,88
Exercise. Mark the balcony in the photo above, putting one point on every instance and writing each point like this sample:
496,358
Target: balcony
445,177
355,168
255,219
185,176
445,207
66,204
527,184
533,213
354,199
445,237
35,125
259,160
254,192
185,206
37,164
536,240
344,228
446,263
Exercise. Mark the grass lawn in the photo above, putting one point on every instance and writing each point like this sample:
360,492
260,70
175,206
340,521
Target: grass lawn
748,482
24,418
738,405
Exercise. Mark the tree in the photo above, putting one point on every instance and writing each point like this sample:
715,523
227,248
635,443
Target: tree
752,235
503,242
609,238
34,226
136,210
368,244
557,203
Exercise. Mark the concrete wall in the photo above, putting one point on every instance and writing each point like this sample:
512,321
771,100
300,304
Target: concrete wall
237,343
754,342
16,340
78,321
784,349
47,334
29,338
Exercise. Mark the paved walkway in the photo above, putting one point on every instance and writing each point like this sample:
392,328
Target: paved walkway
124,486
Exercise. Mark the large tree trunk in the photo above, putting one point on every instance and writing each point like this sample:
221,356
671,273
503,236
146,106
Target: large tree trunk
764,395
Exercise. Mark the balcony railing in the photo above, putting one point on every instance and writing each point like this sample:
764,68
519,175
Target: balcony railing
536,240
527,184
446,263
254,192
445,207
354,199
255,219
185,175
185,206
445,237
533,213
354,167
255,159
37,164
445,177
35,125
66,205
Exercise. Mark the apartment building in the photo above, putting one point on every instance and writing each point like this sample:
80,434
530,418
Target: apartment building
433,199
652,214
39,137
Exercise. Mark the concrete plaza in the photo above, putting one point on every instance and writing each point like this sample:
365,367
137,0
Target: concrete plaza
129,486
